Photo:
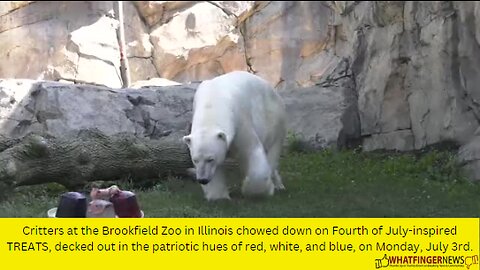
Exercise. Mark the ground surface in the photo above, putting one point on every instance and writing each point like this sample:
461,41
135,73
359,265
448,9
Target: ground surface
326,184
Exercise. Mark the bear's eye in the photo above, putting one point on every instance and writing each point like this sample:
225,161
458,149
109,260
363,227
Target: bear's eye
210,160
195,161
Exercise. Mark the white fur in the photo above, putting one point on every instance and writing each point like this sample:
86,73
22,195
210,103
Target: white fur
251,115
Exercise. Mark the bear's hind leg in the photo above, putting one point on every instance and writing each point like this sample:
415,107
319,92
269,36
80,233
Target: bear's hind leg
217,188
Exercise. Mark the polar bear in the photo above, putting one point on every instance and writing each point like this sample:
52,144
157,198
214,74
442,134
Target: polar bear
237,115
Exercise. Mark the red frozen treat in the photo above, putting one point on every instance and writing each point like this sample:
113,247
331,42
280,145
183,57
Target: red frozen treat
126,205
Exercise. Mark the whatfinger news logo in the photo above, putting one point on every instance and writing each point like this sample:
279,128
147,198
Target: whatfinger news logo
427,261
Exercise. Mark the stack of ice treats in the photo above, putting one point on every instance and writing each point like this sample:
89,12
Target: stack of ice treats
105,203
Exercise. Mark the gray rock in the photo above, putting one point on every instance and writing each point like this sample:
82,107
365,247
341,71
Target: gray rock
410,61
59,109
468,158
399,140
325,115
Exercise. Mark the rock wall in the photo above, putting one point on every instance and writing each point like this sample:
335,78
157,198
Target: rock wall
414,68
398,75
73,41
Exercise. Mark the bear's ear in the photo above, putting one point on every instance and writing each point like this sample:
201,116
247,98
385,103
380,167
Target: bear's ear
187,139
222,136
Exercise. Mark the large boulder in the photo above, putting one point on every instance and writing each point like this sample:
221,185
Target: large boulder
469,158
58,109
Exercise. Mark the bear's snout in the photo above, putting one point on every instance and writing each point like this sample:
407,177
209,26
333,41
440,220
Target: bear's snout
203,181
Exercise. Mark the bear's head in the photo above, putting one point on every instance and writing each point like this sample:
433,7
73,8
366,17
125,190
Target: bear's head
208,150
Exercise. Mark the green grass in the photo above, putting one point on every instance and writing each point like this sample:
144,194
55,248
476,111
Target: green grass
322,184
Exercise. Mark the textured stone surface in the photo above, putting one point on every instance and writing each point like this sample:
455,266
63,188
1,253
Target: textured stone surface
73,41
160,12
469,157
324,115
141,69
9,6
286,42
234,7
410,61
137,36
60,109
194,44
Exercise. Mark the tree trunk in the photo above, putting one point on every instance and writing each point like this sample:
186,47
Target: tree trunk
90,156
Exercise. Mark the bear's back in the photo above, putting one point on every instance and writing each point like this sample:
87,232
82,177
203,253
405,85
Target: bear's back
237,85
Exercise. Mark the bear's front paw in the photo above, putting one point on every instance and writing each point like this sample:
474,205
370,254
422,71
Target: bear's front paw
277,181
280,186
216,197
258,188
214,194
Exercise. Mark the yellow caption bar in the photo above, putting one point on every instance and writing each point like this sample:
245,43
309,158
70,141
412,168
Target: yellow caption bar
241,243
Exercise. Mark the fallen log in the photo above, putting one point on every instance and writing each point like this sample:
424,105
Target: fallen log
74,161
